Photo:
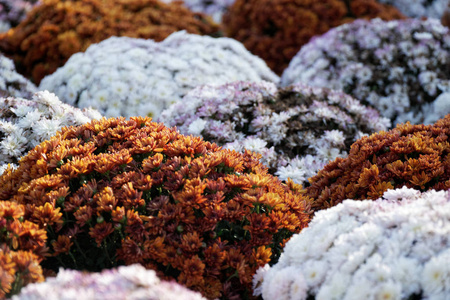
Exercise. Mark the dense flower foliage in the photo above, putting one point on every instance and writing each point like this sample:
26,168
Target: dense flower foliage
119,191
26,123
126,282
297,129
394,248
214,8
419,8
12,84
400,67
275,30
56,29
12,12
22,247
151,75
413,155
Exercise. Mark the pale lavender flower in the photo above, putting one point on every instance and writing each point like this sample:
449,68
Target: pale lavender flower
26,123
151,76
126,282
297,129
395,247
399,67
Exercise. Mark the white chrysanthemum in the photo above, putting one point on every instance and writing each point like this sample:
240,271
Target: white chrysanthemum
152,73
26,123
12,84
126,282
399,67
297,130
366,251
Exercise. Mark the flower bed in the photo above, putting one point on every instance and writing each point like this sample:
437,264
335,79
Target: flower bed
151,75
393,248
297,130
399,67
413,155
126,282
119,191
56,29
26,123
275,30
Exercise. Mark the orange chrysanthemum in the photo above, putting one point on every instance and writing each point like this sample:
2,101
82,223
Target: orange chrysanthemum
275,30
416,156
22,248
55,29
204,216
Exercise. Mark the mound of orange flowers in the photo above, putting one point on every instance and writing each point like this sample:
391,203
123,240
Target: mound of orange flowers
22,248
56,29
416,156
275,30
119,191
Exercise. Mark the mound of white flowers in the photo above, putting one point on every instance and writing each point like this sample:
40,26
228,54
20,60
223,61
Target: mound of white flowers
12,84
214,8
126,282
419,8
124,76
396,247
297,129
26,123
400,67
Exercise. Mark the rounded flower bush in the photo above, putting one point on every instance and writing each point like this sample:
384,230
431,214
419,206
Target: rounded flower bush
12,84
214,8
26,123
22,248
153,75
118,191
413,155
12,12
400,67
297,129
275,30
419,8
126,282
393,248
56,29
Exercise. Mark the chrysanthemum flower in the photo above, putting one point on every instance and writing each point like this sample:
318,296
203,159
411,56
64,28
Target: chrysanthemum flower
26,123
400,67
12,84
297,130
119,191
413,155
153,75
275,30
126,282
393,248
56,29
